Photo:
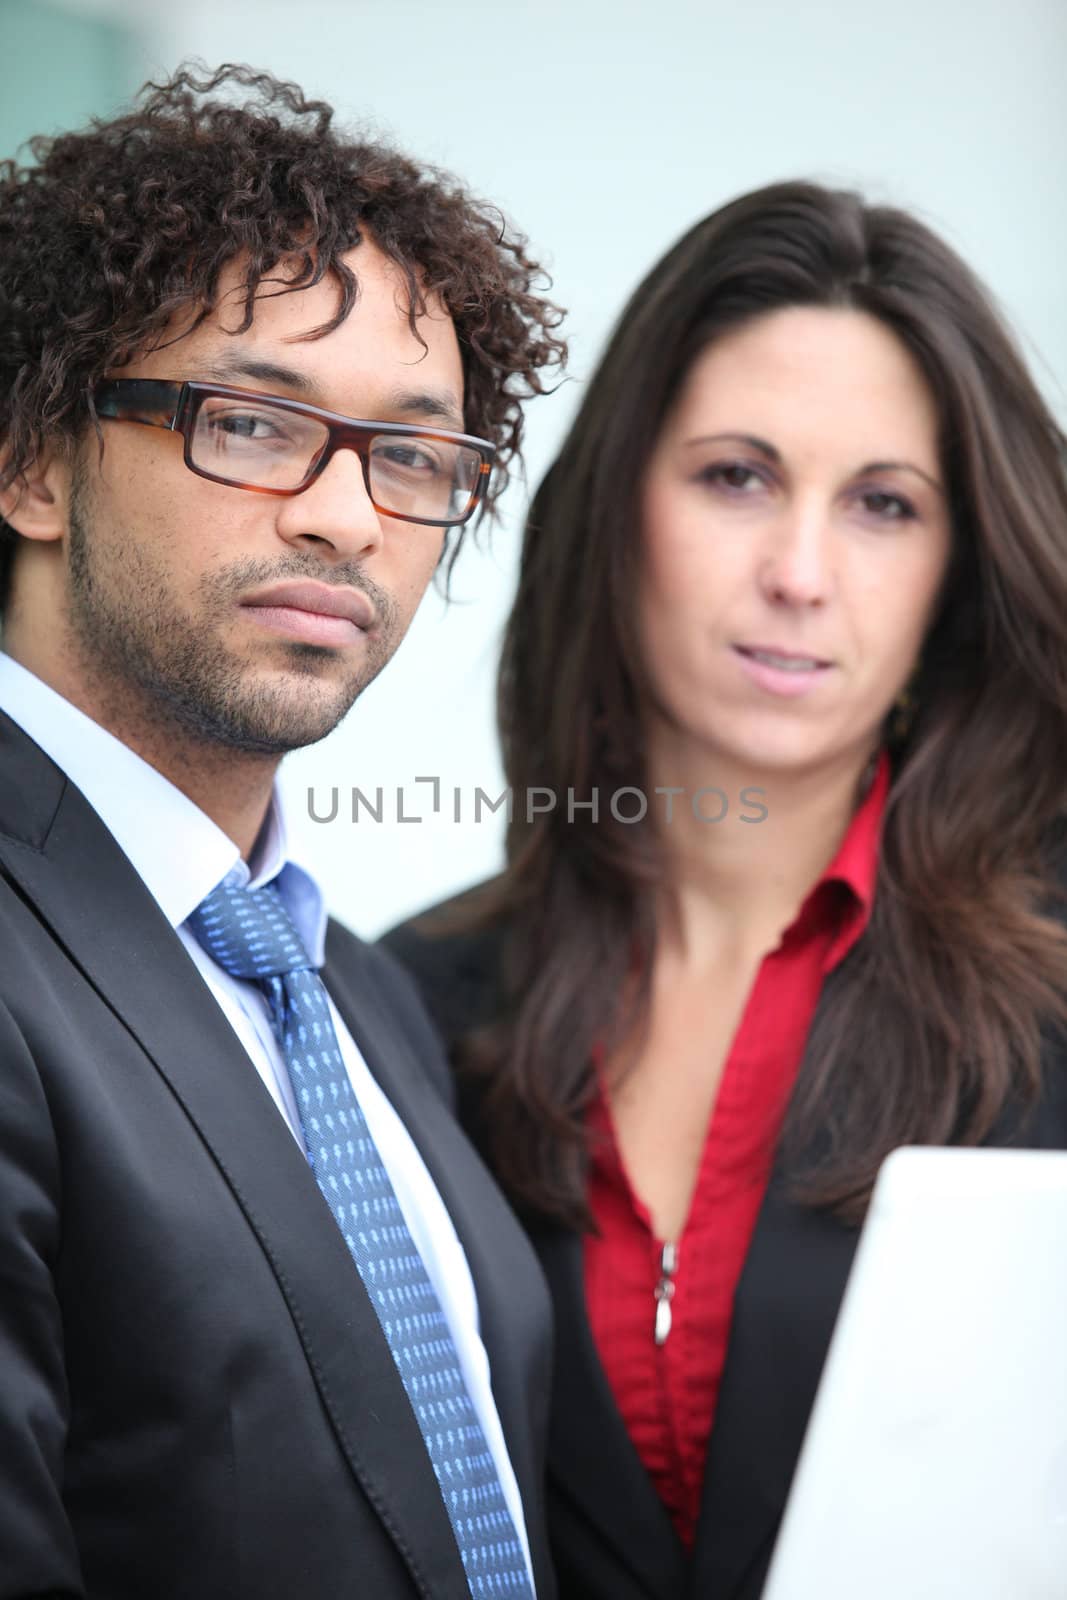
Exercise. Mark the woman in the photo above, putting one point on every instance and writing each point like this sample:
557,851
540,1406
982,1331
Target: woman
793,609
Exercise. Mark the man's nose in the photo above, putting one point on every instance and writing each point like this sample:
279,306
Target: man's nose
335,510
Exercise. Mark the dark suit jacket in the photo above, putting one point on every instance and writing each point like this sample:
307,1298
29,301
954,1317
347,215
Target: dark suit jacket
611,1537
196,1399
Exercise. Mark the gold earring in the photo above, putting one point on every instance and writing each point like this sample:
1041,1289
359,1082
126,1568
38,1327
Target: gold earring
903,714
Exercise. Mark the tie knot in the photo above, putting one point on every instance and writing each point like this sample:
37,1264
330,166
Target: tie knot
249,932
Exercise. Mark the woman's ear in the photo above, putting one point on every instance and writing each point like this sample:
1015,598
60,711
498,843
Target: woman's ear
36,504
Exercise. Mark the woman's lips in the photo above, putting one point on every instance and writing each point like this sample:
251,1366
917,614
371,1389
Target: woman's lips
781,672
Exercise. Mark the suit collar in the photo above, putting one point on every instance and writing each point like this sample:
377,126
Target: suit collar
784,1312
591,1456
174,847
486,1228
69,868
177,851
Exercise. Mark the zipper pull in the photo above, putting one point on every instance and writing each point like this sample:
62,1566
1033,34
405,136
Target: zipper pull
664,1292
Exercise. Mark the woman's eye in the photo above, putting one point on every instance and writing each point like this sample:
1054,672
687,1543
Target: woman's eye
734,476
887,507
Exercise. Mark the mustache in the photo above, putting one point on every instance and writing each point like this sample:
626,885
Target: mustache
233,581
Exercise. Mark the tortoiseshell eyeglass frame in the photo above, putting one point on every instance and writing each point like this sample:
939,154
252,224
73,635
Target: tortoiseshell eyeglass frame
175,405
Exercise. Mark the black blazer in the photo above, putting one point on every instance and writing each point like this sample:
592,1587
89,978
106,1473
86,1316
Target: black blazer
611,1537
196,1399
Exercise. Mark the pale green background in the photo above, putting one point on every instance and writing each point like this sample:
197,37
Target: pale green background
58,67
604,129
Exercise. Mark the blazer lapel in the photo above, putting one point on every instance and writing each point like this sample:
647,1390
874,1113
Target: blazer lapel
591,1455
506,1276
784,1312
69,867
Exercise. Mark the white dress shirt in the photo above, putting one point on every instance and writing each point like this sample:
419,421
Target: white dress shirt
182,856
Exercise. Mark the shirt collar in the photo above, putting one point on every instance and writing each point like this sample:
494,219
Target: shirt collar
176,849
270,863
848,883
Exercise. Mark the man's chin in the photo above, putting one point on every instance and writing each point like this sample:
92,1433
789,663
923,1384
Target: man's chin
301,716
279,738
263,721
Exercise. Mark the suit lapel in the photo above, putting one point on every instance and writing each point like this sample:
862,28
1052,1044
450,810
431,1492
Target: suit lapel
66,864
504,1269
784,1311
592,1463
591,1455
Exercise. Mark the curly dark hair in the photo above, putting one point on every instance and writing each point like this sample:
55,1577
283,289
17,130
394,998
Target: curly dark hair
115,230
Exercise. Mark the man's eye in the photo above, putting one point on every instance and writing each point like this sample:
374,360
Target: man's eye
410,458
249,425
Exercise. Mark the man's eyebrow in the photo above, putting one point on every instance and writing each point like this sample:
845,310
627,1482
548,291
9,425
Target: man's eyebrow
439,405
226,368
432,405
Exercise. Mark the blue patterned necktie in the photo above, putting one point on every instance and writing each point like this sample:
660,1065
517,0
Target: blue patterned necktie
250,934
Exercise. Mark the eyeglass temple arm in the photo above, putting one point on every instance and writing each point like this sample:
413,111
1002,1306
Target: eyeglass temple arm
148,400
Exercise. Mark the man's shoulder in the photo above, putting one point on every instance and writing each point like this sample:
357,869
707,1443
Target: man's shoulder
371,968
373,981
31,785
452,951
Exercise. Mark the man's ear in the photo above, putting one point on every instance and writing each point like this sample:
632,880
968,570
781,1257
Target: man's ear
37,503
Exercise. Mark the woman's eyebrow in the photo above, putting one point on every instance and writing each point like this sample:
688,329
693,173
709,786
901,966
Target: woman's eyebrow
765,448
901,466
748,439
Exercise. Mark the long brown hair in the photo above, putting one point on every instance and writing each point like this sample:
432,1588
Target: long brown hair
931,1029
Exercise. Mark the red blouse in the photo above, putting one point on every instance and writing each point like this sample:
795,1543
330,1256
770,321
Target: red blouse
667,1393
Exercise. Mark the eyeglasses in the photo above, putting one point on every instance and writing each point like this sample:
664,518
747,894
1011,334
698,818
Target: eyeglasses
273,445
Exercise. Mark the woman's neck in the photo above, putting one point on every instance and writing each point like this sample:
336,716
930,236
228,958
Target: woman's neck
734,884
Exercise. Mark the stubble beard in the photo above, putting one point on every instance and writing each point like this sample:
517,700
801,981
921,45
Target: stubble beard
171,674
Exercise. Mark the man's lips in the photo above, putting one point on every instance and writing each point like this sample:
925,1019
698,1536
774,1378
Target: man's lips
314,613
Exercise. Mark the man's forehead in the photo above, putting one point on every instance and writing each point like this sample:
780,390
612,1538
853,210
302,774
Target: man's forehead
373,352
283,292
242,368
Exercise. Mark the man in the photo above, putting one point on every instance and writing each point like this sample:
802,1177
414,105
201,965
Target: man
266,1327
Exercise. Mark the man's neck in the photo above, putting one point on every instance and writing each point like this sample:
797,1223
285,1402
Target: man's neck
230,786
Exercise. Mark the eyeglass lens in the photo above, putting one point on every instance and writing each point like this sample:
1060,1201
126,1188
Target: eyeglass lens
272,448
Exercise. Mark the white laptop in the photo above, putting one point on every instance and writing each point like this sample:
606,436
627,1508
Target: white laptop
935,1463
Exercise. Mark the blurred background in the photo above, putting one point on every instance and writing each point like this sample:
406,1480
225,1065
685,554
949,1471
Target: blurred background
603,130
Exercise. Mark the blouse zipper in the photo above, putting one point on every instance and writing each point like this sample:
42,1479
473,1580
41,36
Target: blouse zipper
664,1292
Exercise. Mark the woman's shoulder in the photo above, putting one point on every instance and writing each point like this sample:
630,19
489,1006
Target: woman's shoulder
453,952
